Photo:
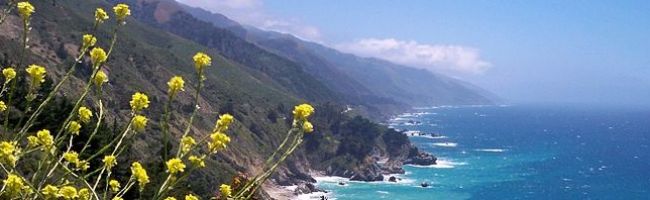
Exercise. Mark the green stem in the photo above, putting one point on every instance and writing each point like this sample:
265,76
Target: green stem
196,107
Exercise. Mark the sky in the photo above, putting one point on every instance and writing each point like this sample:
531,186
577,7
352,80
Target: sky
577,51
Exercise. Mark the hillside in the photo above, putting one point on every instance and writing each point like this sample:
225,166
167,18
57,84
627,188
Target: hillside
258,87
366,79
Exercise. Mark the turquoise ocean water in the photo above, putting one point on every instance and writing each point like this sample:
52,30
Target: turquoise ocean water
520,152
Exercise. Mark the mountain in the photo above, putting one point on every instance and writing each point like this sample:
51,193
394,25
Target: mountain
257,86
373,80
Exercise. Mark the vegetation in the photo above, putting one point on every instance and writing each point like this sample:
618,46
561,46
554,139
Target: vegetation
55,149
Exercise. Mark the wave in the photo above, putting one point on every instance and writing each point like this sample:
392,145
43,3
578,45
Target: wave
445,144
441,164
491,150
314,195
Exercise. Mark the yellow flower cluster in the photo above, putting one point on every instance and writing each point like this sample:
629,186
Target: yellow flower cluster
218,141
170,198
50,191
43,137
140,174
301,113
25,9
36,73
191,197
15,185
139,123
3,106
8,153
225,190
100,78
115,185
98,56
307,127
175,165
201,60
85,114
100,15
224,121
121,11
68,192
187,142
9,74
197,161
175,84
74,127
73,157
88,41
139,101
109,161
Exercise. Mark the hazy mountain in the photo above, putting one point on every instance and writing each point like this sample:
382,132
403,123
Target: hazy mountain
365,79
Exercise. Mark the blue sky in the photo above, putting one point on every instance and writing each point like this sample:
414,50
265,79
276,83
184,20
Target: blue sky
524,51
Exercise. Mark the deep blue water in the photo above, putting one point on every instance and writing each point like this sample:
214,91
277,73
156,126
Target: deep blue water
521,152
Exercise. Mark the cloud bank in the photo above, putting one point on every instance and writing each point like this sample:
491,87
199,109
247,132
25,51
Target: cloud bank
252,12
439,58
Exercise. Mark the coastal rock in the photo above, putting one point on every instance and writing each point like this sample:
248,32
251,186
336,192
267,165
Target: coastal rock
306,188
417,157
392,179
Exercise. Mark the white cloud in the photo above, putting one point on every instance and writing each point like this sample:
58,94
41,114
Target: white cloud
252,12
439,58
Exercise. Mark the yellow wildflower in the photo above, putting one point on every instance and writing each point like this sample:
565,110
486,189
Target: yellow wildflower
201,60
121,11
100,78
307,127
218,141
9,74
3,106
45,138
140,174
302,111
139,123
8,152
191,197
36,73
115,185
197,161
32,141
85,114
109,161
139,101
170,198
84,194
224,121
117,198
187,142
88,41
74,127
100,15
225,190
175,84
98,56
50,191
82,165
14,184
71,157
68,192
25,9
175,165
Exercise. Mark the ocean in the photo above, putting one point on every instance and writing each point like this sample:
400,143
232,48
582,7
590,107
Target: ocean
519,152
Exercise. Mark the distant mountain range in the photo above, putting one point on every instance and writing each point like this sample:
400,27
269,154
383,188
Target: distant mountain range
359,79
